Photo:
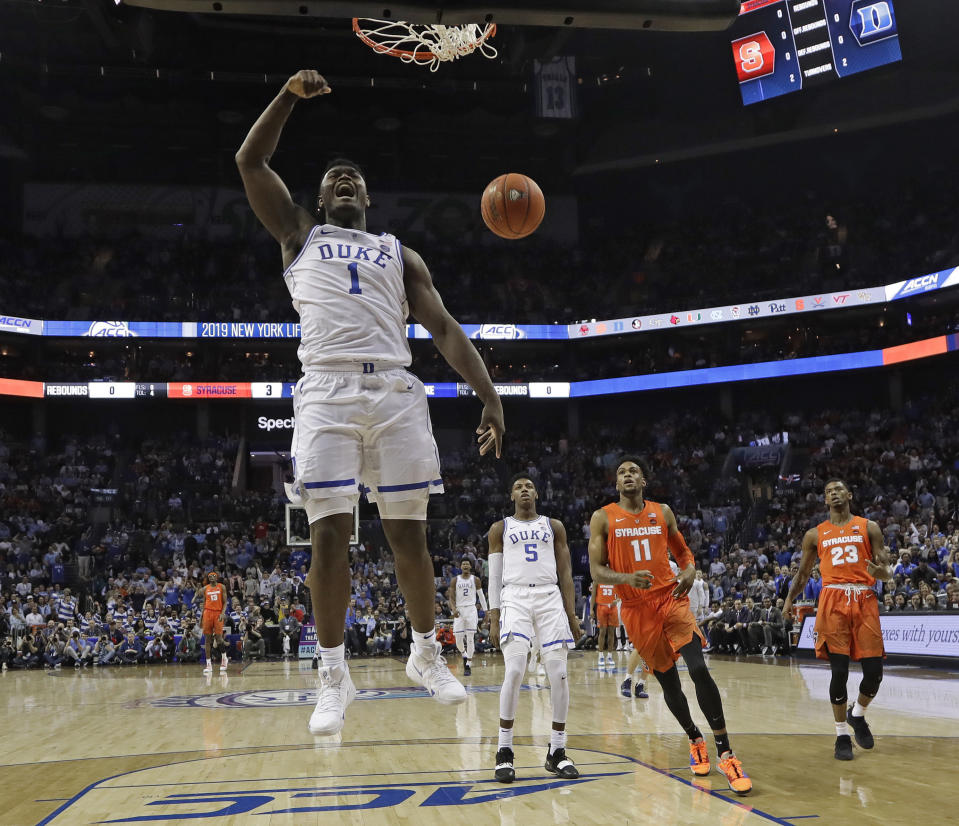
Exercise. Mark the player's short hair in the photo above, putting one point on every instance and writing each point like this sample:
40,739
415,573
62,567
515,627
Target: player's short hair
636,460
342,162
517,476
467,561
836,479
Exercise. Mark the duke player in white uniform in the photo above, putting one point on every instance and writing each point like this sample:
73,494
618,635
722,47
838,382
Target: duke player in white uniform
465,590
531,583
361,419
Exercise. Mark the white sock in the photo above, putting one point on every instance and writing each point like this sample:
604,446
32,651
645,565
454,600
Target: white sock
557,740
858,710
424,645
505,738
842,729
333,656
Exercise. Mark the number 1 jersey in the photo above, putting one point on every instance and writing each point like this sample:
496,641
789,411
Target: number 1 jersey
637,542
347,286
844,552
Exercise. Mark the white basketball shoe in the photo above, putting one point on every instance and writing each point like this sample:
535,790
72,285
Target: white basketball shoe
435,677
336,693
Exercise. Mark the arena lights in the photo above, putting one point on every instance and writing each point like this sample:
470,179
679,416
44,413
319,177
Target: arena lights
277,390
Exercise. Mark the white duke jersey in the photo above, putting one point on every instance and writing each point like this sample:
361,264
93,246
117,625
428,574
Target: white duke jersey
347,286
528,554
465,592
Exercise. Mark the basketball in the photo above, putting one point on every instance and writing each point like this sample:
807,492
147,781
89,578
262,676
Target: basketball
513,205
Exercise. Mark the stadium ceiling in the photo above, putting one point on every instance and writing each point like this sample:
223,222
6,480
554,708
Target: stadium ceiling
662,15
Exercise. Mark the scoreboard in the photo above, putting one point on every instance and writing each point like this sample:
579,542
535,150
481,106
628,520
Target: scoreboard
782,46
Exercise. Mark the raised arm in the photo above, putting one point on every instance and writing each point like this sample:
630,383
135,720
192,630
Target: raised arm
810,545
599,557
564,576
427,307
265,190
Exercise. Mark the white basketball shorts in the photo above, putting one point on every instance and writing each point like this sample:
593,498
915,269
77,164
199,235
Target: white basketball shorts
467,621
369,431
528,611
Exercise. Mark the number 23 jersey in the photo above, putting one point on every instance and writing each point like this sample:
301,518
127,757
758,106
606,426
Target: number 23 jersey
529,557
844,552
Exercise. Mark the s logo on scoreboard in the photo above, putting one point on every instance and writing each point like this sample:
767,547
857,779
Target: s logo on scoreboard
872,20
755,56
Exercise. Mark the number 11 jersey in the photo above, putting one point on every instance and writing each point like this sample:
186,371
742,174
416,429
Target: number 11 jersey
347,286
637,542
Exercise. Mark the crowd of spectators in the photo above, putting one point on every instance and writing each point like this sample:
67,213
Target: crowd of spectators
722,249
104,543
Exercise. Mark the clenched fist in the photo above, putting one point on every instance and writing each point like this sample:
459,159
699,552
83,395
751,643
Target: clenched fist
308,83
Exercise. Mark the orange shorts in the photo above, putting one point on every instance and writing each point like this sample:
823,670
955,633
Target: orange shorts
658,627
848,625
607,616
210,622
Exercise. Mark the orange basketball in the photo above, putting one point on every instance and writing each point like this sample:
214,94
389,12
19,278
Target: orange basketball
513,205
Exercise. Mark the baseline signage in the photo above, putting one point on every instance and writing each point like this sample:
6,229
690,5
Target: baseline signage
307,641
917,635
503,331
523,390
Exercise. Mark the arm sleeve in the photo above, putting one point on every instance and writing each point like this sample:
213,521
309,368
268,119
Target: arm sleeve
482,598
680,550
495,580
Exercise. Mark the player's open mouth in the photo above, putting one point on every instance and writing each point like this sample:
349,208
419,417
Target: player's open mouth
344,189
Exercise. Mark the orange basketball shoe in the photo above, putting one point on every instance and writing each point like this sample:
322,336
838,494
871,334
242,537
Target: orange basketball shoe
699,757
738,780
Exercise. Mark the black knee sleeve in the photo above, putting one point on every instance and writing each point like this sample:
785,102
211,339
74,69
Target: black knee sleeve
871,676
839,663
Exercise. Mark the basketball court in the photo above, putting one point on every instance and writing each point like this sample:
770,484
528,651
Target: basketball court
164,744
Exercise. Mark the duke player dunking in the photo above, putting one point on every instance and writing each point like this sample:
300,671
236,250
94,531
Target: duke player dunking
530,577
629,546
361,419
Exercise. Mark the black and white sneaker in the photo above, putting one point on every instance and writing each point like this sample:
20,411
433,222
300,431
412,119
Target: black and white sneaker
861,729
504,766
558,763
843,749
467,671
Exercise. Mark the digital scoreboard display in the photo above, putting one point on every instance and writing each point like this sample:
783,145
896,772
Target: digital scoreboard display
782,46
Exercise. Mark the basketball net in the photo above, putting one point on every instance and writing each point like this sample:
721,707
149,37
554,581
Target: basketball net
424,44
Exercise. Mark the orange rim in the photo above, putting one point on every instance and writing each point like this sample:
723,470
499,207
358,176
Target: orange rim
419,55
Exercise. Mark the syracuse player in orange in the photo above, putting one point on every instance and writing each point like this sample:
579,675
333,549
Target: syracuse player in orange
852,556
629,547
606,618
214,612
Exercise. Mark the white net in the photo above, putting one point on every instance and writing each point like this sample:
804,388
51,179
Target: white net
425,44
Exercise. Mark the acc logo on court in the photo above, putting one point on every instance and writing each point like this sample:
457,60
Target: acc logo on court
284,801
295,697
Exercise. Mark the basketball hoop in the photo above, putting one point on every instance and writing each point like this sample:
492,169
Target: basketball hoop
424,44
